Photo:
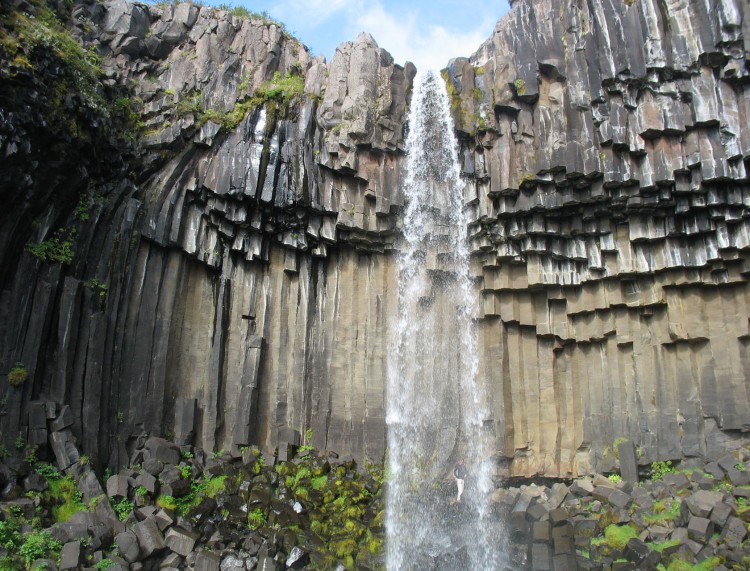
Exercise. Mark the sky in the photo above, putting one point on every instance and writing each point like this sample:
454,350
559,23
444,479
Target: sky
426,32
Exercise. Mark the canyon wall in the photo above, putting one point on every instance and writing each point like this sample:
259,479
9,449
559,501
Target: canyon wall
233,221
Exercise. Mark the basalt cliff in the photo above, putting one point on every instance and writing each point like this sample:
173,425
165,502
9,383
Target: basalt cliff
200,222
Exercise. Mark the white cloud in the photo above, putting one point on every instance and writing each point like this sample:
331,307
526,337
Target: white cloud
402,28
309,14
429,48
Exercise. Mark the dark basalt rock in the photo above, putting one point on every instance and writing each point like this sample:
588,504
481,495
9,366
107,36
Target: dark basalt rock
212,241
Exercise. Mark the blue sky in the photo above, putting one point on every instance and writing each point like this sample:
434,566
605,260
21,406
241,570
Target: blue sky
427,33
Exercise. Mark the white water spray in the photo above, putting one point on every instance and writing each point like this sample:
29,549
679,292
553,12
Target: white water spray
435,411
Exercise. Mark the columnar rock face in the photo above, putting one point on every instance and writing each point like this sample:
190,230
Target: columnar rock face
234,272
608,144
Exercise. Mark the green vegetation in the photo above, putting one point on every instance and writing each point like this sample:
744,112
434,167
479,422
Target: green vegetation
104,564
100,288
705,565
660,469
616,536
64,497
616,444
122,508
166,502
18,375
661,546
58,248
37,544
520,86
25,34
614,478
278,93
48,471
256,518
662,513
307,446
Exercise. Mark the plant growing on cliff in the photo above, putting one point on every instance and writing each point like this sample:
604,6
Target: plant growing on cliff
65,498
100,288
58,248
256,518
280,89
38,544
18,375
616,536
660,469
661,512
122,508
26,33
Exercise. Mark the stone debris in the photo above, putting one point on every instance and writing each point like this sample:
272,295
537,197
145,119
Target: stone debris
605,163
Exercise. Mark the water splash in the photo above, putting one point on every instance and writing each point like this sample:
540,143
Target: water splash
436,412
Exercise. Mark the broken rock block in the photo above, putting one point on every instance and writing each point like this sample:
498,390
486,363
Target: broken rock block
149,536
117,486
180,540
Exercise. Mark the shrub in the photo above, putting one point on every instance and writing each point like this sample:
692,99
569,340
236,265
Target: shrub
18,375
660,469
123,508
58,248
48,471
10,534
38,544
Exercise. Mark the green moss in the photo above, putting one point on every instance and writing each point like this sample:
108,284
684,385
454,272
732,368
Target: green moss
66,498
705,565
453,96
256,518
166,502
661,512
26,33
319,482
616,536
662,545
215,485
520,86
18,375
344,547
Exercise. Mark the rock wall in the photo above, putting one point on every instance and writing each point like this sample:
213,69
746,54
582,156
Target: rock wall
608,144
234,272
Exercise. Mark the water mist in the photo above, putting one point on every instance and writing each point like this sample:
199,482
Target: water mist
435,410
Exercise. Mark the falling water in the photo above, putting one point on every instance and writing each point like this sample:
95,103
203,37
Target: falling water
435,412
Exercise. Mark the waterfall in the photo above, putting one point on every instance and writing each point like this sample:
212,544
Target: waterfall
436,412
